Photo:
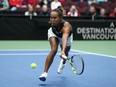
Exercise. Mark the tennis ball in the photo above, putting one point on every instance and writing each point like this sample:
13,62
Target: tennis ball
33,65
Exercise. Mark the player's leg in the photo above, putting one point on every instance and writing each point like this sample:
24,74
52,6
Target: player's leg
54,46
63,61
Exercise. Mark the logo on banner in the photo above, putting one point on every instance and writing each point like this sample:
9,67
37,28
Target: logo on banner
112,24
98,33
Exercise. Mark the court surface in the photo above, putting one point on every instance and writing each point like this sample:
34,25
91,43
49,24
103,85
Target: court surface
15,71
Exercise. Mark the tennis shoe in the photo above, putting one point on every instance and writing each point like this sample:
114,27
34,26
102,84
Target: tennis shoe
43,76
61,66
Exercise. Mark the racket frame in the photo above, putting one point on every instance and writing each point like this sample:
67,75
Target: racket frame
72,66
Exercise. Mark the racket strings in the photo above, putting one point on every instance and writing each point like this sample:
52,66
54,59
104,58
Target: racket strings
78,64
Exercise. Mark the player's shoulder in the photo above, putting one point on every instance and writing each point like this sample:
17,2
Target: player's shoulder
65,22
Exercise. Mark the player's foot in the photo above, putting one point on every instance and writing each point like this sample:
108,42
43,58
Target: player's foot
61,66
43,76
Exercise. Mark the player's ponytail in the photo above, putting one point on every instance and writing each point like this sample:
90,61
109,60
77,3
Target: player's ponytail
59,10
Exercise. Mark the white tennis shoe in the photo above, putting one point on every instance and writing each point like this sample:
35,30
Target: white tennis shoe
61,66
43,76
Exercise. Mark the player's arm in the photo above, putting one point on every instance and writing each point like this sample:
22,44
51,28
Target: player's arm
66,32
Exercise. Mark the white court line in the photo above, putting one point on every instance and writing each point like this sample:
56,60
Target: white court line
84,52
24,50
21,54
80,52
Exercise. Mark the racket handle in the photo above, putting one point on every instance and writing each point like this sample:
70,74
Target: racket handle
73,69
64,57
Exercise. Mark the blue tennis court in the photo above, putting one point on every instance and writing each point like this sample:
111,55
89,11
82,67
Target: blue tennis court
15,70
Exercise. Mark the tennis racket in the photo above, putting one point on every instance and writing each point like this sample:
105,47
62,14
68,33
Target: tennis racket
77,64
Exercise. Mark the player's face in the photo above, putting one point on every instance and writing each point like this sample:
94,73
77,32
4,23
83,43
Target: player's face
54,18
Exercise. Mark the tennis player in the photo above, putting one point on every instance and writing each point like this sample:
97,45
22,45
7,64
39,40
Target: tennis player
60,32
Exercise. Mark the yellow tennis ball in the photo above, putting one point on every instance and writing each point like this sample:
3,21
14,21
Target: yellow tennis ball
33,65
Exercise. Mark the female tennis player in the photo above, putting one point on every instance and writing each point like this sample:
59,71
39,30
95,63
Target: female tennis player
60,32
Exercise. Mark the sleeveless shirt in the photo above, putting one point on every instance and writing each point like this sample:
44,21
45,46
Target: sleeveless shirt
57,30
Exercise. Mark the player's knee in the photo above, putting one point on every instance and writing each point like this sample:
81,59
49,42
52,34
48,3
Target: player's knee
54,51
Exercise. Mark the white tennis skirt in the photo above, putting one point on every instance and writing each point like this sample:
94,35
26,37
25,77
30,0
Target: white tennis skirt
51,34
